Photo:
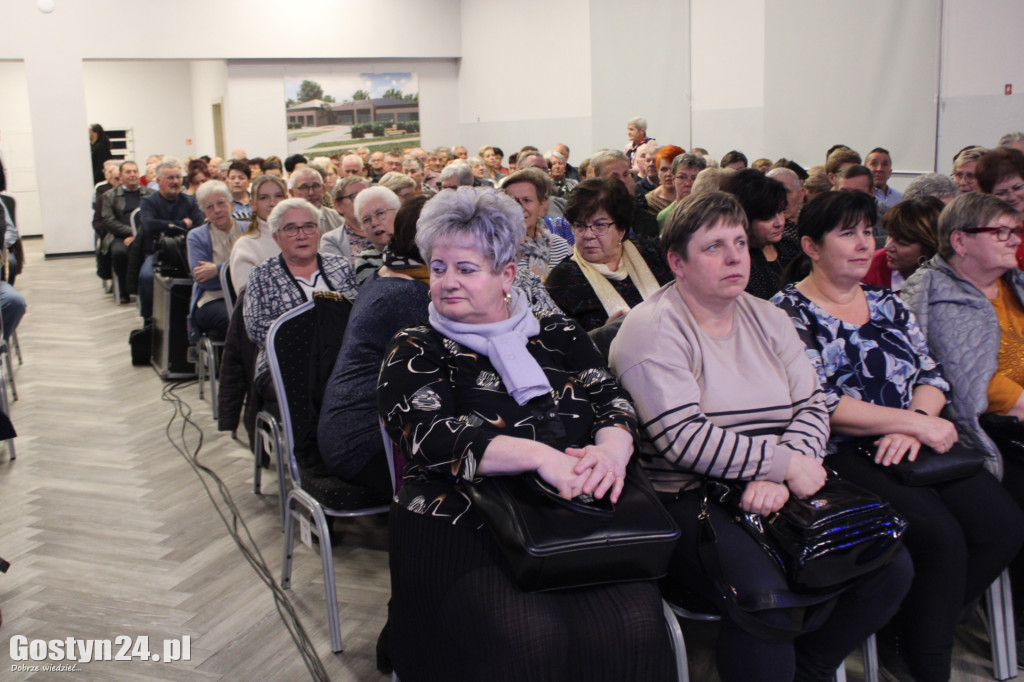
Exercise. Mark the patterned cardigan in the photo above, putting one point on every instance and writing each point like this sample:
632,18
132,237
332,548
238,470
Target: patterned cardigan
272,291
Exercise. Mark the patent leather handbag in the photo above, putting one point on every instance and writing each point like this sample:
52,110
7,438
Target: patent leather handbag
823,542
551,543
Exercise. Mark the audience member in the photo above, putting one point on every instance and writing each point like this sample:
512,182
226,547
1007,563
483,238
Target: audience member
852,331
257,244
540,250
665,193
685,169
561,185
795,195
307,183
238,179
724,390
294,163
838,161
167,211
964,164
401,184
118,206
209,248
932,185
456,175
636,131
764,202
736,160
645,167
880,162
614,164
329,175
375,207
99,146
351,164
198,173
911,227
571,171
607,274
376,166
763,165
279,284
451,593
351,229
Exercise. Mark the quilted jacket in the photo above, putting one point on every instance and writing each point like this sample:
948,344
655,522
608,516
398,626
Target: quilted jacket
963,334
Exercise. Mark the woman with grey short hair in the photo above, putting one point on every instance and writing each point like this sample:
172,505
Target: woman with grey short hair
484,388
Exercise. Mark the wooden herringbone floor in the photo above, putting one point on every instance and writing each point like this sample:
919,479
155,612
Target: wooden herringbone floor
110,532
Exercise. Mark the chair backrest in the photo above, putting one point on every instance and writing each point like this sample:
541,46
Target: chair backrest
135,221
289,343
228,288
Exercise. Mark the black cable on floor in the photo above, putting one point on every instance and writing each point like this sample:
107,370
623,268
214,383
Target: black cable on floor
232,520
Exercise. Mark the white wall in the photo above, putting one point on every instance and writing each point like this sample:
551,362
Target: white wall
524,77
209,79
981,52
154,98
16,146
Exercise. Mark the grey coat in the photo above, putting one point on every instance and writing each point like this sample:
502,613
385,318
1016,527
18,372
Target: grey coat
963,334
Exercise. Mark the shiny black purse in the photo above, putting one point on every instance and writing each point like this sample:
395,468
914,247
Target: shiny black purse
826,541
551,543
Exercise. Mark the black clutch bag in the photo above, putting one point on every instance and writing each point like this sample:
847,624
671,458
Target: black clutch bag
827,540
551,543
931,467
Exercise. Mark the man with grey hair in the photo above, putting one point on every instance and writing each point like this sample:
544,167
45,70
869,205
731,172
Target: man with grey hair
795,195
646,168
456,175
167,211
571,172
636,130
351,164
307,183
935,185
461,153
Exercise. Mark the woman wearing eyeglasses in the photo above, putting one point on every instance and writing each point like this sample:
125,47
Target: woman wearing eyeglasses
885,391
1000,173
607,273
375,209
289,279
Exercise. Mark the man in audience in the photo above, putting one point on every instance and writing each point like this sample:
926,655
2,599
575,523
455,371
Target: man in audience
461,152
413,167
307,183
392,162
118,205
238,183
685,169
646,168
435,161
794,197
111,173
636,130
736,160
272,166
456,175
376,166
294,162
571,171
856,177
880,162
351,164
167,211
615,164
214,165
238,155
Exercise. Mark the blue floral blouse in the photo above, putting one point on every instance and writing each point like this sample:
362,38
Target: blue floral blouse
880,362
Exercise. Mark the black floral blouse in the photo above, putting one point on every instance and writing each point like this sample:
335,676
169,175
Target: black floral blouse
443,404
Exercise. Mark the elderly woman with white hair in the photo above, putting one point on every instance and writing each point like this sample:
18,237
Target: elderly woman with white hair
636,131
485,389
289,279
561,185
209,247
375,209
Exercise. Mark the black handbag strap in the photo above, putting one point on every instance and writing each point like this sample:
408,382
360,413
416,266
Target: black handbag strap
741,609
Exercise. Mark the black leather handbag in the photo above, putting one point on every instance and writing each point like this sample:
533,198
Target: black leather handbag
825,541
1007,433
551,543
931,467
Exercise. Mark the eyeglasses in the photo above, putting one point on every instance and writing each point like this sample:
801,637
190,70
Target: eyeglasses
349,196
1001,233
1004,193
291,229
376,215
960,175
309,188
599,228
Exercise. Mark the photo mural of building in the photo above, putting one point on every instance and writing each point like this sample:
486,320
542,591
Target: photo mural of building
328,113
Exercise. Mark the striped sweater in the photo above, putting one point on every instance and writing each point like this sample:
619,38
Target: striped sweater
732,407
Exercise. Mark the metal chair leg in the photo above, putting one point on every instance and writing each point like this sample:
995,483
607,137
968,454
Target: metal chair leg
1001,628
675,637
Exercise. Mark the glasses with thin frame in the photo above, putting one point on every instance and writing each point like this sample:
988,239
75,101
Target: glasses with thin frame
599,228
377,215
1001,233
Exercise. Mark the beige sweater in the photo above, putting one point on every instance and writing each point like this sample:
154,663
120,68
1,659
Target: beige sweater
736,407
